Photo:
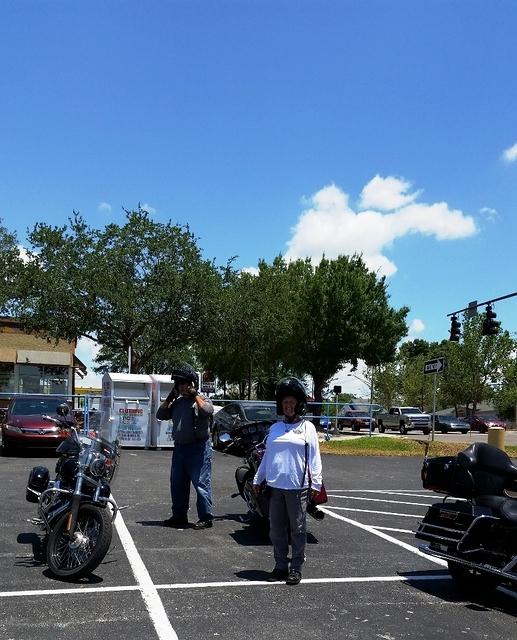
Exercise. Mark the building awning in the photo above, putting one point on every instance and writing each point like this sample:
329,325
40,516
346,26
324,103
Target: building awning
44,357
7,354
80,367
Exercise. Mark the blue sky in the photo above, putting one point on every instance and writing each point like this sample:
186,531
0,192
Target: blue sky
277,127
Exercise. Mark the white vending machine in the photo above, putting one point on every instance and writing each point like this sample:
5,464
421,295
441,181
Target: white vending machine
126,409
161,430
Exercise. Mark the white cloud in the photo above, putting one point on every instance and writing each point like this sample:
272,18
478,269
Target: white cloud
355,383
148,208
510,154
329,225
416,326
87,351
22,252
490,214
104,207
387,194
253,270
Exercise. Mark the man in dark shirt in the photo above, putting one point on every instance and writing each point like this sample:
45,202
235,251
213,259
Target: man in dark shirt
191,415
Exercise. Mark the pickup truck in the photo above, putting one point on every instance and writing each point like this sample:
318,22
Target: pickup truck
404,419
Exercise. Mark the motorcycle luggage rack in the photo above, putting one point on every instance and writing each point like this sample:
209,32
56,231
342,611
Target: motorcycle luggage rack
435,538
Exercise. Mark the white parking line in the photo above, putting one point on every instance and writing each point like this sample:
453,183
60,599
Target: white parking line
392,529
384,513
417,504
385,536
148,590
215,585
396,492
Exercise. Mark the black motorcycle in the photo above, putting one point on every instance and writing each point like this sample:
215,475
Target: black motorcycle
476,535
258,505
72,509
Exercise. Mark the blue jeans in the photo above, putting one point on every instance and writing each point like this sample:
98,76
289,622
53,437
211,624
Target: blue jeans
192,463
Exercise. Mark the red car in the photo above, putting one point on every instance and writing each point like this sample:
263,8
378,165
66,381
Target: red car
483,423
25,427
354,419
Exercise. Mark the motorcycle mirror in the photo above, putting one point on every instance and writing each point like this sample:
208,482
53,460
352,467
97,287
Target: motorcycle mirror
225,437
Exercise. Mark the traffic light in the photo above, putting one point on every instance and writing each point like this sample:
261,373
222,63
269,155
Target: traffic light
455,329
490,324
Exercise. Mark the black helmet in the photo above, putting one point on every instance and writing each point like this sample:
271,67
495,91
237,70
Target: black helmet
63,409
291,387
185,373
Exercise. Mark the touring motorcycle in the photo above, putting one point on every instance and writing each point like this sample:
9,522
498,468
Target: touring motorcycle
477,532
73,508
258,505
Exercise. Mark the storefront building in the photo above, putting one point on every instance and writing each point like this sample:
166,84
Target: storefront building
31,364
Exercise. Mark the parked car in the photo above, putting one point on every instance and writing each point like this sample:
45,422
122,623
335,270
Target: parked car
248,419
404,419
482,423
25,427
355,419
450,423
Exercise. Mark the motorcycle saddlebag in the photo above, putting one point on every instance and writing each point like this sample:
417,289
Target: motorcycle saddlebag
38,481
445,475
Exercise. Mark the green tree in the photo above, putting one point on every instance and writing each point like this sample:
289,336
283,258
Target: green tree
10,268
386,384
245,343
342,314
475,365
505,394
141,286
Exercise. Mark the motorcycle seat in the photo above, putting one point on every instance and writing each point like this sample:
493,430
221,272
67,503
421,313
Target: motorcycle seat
494,503
508,511
485,457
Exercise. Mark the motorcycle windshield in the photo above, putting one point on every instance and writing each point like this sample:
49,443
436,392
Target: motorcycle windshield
69,447
100,445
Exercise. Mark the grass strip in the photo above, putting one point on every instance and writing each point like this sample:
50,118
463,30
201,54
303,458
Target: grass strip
380,446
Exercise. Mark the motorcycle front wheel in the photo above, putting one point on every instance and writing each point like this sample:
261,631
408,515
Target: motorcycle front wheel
82,553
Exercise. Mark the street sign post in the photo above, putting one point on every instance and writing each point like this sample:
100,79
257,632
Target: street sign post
437,365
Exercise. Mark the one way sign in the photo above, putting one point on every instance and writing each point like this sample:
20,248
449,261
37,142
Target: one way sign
434,366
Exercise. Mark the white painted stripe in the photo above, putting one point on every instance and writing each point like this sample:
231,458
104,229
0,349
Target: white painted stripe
394,530
384,513
58,592
385,536
214,585
254,583
415,493
417,504
410,491
150,595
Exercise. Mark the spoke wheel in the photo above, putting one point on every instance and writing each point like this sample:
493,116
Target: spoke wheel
77,556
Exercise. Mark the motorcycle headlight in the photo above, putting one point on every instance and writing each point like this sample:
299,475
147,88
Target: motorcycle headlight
97,467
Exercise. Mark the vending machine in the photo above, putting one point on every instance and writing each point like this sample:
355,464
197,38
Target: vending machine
126,409
161,430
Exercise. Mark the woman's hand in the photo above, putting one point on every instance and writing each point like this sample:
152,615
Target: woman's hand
257,489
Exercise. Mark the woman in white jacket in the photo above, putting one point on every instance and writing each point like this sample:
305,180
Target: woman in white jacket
291,467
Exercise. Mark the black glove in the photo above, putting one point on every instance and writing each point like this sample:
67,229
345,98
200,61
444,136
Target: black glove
173,394
191,392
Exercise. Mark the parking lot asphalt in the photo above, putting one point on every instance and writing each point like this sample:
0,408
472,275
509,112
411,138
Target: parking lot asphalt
363,577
